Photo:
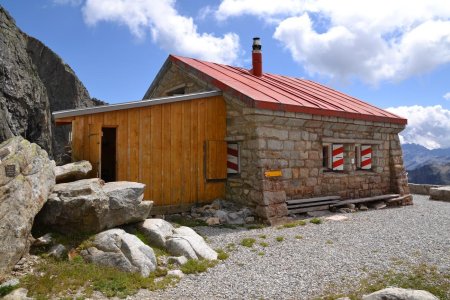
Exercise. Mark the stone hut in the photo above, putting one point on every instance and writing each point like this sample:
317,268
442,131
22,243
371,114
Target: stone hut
286,138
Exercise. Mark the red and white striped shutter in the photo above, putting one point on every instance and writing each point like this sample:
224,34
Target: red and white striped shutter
338,157
366,157
232,158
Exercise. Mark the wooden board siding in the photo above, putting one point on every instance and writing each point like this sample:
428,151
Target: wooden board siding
162,146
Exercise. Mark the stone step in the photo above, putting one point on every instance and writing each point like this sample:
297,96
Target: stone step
362,200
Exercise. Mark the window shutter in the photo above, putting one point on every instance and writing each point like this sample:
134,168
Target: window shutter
216,160
233,158
338,157
366,157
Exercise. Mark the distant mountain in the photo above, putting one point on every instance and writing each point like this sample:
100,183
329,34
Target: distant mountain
427,166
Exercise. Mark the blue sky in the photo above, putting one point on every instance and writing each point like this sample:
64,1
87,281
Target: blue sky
393,54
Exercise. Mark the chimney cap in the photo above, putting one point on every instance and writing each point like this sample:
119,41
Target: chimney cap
256,43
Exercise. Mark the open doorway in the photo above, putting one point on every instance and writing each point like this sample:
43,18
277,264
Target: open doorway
108,163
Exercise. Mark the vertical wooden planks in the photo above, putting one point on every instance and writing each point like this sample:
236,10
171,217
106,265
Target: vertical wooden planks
194,166
95,132
77,139
133,145
201,139
86,122
175,152
166,155
122,145
145,151
156,171
186,179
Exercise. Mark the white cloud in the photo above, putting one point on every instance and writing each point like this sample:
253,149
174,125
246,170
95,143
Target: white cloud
68,2
371,40
172,31
447,96
428,126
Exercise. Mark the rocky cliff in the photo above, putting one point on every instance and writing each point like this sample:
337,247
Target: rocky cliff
34,81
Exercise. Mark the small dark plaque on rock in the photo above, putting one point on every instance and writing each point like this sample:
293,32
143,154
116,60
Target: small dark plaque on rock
10,170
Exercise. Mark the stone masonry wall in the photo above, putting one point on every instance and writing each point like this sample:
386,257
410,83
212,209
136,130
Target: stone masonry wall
292,143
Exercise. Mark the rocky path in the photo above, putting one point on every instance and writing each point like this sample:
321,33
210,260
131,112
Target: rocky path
333,252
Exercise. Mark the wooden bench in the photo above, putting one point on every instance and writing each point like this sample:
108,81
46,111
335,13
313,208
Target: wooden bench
387,198
296,206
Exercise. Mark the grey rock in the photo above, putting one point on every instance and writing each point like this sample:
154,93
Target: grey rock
73,171
213,221
90,205
345,210
249,220
177,273
178,260
440,193
378,205
185,241
116,248
125,203
58,251
11,282
44,240
222,215
18,294
79,206
35,82
156,231
363,207
350,205
393,293
21,196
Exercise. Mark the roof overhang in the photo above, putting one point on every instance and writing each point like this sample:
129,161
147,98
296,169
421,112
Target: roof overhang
65,115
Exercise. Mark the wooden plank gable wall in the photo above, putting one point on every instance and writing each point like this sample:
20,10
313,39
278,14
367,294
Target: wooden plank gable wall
162,146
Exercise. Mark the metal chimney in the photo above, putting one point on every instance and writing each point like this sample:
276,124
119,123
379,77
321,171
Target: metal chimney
257,57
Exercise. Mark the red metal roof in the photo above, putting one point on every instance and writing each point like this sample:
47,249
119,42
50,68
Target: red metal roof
283,93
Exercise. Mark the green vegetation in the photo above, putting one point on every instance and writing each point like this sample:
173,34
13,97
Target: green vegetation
292,224
329,242
256,226
316,221
73,275
419,277
264,244
248,242
6,290
263,236
261,253
231,247
280,238
194,266
221,254
298,237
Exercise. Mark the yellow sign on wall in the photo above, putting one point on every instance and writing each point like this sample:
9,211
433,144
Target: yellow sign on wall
273,173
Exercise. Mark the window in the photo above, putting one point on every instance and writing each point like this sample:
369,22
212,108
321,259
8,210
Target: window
233,159
177,91
365,155
333,157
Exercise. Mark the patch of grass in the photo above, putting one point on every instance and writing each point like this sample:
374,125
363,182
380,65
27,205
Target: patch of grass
194,266
280,239
264,244
329,242
183,221
160,272
256,226
263,236
231,247
248,242
261,253
292,224
316,221
419,277
74,275
299,237
74,240
5,290
221,254
160,252
229,226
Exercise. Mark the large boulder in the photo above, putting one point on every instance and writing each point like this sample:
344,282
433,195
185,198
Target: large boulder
26,179
73,171
90,205
393,293
440,193
156,231
182,241
125,203
118,249
186,242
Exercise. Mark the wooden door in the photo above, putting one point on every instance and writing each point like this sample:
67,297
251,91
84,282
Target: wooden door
95,148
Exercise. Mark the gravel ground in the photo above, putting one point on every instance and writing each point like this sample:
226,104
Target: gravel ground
333,252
